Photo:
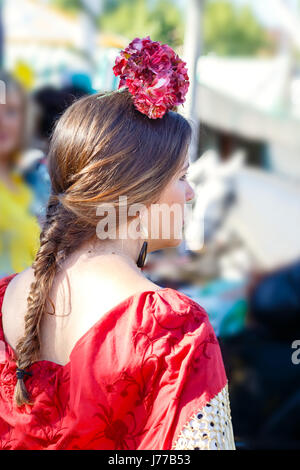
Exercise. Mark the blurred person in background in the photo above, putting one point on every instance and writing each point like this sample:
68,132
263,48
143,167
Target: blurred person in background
51,103
48,104
265,381
19,229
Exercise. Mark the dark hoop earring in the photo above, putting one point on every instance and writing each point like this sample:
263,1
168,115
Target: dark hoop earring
142,256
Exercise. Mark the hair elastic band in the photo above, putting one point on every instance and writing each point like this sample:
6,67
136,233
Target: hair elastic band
21,372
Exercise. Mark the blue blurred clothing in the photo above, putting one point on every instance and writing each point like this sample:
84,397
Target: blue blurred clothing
225,302
275,302
264,380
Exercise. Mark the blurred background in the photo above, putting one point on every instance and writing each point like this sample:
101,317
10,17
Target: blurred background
240,256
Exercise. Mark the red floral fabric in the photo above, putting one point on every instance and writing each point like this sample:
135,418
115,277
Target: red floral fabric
132,381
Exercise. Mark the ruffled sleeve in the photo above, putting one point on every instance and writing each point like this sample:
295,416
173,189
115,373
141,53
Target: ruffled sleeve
138,379
192,371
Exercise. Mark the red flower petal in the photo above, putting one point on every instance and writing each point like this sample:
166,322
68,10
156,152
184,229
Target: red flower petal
154,74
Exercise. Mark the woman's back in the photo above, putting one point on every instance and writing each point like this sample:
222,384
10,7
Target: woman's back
147,375
82,293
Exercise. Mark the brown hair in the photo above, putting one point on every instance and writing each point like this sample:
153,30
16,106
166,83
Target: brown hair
101,148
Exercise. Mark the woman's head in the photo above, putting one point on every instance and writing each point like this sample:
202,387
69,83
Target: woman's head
102,148
12,119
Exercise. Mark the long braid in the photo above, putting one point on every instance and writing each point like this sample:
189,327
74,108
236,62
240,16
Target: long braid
44,268
61,234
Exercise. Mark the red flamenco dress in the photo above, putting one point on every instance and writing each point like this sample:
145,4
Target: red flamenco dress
148,375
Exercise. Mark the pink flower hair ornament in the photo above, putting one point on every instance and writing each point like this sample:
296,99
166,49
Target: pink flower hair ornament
154,74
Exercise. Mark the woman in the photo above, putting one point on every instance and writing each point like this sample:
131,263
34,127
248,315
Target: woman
96,356
19,230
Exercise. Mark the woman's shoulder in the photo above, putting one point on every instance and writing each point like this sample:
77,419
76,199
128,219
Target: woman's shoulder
13,294
4,282
175,304
166,315
14,291
163,315
163,325
16,283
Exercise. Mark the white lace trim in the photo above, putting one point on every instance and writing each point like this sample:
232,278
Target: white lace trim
209,428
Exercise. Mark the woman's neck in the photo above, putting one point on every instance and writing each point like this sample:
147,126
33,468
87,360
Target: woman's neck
123,253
